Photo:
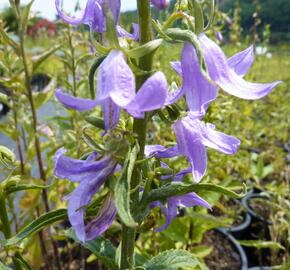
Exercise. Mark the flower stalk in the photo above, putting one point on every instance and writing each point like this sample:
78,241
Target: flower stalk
140,128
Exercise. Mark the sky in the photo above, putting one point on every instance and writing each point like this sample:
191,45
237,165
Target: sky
46,8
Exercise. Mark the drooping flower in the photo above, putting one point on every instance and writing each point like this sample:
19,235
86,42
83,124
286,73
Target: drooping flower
193,136
93,14
116,89
226,77
173,203
91,174
160,4
199,92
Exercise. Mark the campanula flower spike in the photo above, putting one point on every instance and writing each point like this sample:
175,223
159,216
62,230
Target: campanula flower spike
116,89
91,174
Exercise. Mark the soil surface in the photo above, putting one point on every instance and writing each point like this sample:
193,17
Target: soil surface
261,207
224,256
234,210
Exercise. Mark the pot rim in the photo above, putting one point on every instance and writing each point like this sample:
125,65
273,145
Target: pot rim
245,204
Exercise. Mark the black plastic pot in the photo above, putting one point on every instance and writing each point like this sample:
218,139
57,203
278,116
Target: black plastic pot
241,231
39,81
258,229
4,109
260,268
236,246
254,215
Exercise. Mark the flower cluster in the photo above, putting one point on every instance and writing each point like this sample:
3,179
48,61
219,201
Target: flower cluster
116,90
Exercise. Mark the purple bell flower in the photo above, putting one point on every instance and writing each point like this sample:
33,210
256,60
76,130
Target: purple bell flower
160,4
93,14
171,209
226,77
193,136
91,174
116,89
226,73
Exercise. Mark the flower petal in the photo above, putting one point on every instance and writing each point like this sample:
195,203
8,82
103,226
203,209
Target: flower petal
220,141
160,151
199,92
103,221
190,200
176,65
151,96
170,212
226,78
116,80
111,114
77,170
242,61
190,145
123,33
79,104
81,196
160,4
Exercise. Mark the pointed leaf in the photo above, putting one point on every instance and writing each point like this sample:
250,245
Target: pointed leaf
172,259
35,226
39,59
122,188
144,49
101,247
177,189
21,187
261,244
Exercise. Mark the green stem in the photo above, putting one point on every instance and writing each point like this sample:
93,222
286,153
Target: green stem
140,128
6,228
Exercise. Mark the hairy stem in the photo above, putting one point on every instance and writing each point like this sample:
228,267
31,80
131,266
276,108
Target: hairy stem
140,128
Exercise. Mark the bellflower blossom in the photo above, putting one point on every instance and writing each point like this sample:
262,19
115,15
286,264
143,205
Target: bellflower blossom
170,209
93,14
116,89
226,73
91,174
193,136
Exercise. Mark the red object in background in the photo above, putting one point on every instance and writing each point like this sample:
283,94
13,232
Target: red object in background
42,25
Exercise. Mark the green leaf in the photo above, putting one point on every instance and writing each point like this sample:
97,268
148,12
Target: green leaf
35,226
172,259
101,247
44,96
39,59
8,131
21,187
122,188
145,49
96,121
9,41
111,28
22,261
177,189
25,16
198,17
92,72
211,16
261,244
3,267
